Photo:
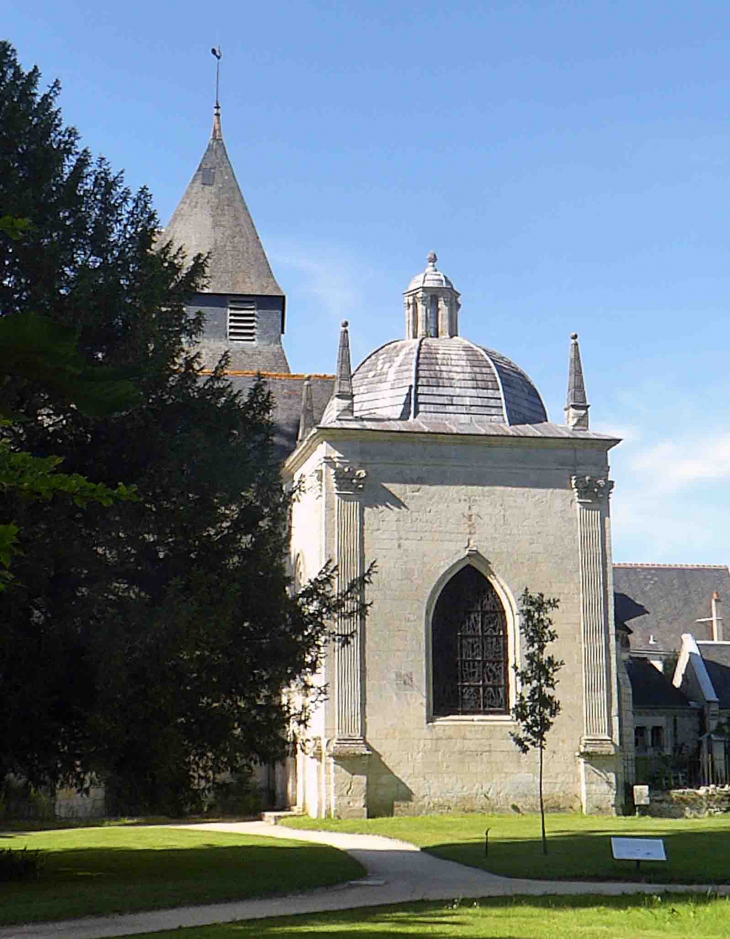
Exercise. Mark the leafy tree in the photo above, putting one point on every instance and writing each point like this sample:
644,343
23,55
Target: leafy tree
536,705
36,348
149,641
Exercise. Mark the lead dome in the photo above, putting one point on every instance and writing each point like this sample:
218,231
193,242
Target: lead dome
434,375
436,379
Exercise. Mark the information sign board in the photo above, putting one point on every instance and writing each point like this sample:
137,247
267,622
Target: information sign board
641,795
638,849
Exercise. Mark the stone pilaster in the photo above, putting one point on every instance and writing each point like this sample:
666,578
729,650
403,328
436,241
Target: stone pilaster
598,746
422,302
411,308
349,750
349,718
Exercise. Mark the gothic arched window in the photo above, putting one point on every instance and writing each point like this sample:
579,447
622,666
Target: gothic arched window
469,648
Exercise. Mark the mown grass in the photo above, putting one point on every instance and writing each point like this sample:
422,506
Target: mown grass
62,824
579,846
95,871
584,917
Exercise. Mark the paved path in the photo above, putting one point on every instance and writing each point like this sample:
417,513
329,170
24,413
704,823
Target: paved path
397,872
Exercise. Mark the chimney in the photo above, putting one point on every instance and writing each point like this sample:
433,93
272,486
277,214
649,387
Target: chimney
716,617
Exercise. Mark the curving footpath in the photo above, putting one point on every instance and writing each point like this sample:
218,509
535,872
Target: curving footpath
397,872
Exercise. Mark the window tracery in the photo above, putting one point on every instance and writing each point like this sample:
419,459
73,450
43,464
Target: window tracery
469,648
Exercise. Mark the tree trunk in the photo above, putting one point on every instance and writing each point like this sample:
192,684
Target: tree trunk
542,806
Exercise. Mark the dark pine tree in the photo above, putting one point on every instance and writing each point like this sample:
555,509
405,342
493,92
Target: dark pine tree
150,641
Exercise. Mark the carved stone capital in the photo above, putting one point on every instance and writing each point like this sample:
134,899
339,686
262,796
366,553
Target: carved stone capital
349,479
591,488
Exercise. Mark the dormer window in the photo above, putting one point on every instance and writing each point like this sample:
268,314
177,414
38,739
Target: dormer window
242,320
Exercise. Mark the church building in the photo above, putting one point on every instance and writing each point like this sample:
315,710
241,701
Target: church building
434,458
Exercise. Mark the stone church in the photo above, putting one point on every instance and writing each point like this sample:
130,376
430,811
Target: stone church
434,458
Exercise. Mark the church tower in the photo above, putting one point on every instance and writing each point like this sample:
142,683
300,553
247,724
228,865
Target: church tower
243,303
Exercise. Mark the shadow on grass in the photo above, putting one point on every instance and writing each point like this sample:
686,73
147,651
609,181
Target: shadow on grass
693,857
115,879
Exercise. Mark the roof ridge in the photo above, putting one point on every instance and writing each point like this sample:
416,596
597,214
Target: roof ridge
238,372
711,567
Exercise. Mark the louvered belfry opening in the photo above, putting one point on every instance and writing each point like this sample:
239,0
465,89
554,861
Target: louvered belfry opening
469,646
242,320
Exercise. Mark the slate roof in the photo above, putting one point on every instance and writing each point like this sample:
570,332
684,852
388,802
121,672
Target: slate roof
213,218
242,356
287,393
674,596
444,380
651,688
716,656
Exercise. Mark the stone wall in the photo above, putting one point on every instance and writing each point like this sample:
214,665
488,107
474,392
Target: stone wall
688,803
428,507
72,804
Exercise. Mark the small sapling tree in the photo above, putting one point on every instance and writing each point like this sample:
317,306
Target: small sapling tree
536,705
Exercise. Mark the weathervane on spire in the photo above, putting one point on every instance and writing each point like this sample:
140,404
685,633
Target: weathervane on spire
217,53
217,132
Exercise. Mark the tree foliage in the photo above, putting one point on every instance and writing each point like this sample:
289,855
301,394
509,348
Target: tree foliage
150,640
536,705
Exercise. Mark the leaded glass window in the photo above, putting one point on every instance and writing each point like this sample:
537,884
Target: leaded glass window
469,646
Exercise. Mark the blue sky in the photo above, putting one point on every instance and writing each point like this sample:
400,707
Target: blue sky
568,161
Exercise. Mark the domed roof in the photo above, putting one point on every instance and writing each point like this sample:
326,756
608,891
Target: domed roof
431,277
444,378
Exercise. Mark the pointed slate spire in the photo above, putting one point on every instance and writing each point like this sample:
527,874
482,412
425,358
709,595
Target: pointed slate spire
341,403
343,381
213,218
306,418
576,407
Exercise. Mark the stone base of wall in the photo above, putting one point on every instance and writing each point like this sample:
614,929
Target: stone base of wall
350,784
70,804
598,782
688,803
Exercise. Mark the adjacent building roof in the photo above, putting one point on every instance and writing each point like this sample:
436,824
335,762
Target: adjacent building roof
213,219
674,598
444,380
716,656
287,394
650,688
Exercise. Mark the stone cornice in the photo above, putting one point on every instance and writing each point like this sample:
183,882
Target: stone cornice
356,430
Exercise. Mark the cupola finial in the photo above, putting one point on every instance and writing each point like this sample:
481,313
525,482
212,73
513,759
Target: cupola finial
432,259
576,407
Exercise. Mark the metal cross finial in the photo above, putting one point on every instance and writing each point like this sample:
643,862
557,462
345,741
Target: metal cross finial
432,258
217,53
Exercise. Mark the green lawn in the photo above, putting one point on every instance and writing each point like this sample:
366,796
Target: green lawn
698,850
94,871
588,917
